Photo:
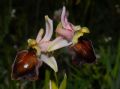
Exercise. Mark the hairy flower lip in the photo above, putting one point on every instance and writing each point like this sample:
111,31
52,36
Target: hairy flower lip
83,51
25,66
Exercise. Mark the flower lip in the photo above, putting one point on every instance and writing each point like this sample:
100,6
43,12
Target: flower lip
25,65
84,51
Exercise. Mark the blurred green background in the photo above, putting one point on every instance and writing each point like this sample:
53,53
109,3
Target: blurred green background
22,19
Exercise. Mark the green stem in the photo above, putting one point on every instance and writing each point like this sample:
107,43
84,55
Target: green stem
56,79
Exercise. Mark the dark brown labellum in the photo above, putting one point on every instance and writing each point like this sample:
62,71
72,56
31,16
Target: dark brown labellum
25,66
84,52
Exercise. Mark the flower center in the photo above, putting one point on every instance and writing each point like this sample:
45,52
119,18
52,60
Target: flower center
34,45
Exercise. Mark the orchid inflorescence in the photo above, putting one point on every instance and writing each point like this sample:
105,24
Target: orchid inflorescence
27,62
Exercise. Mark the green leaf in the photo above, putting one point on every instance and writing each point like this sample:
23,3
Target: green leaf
115,70
64,83
52,85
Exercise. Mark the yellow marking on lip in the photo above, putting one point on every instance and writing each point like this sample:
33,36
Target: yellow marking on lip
33,44
79,33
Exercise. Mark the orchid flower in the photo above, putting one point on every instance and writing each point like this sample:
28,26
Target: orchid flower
81,48
27,62
42,44
72,34
68,31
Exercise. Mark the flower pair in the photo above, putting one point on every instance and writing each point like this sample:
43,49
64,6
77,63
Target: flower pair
27,62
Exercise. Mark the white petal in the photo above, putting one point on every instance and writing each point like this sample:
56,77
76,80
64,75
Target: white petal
39,36
50,61
49,29
58,43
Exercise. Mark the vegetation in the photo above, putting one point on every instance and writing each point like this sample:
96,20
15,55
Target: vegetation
22,19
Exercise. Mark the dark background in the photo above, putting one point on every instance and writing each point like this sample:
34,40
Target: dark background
102,17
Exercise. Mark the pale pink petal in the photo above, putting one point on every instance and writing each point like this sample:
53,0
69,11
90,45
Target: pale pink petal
58,43
65,33
38,66
44,45
57,39
64,20
65,29
49,29
64,17
50,61
39,36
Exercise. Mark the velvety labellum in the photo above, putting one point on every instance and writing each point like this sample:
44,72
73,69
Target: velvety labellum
84,52
25,66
